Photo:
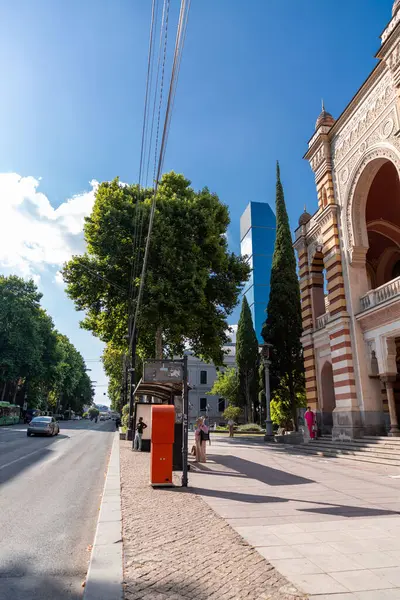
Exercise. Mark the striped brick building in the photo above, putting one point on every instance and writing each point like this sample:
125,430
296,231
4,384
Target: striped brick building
349,257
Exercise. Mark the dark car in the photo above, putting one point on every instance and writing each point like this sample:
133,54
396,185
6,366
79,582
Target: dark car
43,426
30,414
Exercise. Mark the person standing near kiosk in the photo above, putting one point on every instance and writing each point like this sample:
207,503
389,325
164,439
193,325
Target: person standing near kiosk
141,425
202,435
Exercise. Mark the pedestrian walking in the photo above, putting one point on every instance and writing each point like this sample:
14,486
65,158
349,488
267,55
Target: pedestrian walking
137,442
231,424
202,435
311,422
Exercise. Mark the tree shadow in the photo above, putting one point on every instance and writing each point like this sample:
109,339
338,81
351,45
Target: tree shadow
10,470
262,473
326,508
20,582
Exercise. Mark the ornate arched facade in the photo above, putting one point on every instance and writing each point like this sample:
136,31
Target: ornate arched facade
349,256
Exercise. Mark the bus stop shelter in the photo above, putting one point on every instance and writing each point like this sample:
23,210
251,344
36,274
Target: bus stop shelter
161,393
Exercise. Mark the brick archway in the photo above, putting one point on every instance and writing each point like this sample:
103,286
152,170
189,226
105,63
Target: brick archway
363,177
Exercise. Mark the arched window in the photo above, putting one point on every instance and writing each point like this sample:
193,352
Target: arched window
396,270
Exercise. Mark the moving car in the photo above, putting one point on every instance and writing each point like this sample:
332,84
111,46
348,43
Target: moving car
43,426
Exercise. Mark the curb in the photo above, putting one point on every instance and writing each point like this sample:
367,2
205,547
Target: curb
105,574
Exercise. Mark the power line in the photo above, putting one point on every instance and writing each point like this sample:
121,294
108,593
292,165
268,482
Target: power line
179,43
135,240
120,288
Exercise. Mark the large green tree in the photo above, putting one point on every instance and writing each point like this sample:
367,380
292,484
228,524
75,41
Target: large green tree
114,362
192,282
37,363
247,360
21,344
283,327
227,386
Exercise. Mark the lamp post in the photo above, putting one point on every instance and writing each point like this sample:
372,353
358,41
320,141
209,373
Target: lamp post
265,353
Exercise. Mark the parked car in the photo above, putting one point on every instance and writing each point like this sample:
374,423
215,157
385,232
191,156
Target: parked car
43,426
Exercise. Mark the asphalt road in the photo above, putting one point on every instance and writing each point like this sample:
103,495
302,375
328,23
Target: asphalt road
50,492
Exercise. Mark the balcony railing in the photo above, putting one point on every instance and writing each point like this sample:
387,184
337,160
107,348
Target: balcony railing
381,294
322,321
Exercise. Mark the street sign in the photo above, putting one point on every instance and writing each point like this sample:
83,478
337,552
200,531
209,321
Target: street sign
163,371
25,406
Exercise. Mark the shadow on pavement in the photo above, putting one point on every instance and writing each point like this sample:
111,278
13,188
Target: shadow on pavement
262,473
22,583
15,467
273,477
338,510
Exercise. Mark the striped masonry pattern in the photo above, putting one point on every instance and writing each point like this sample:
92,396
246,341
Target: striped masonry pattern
325,191
306,287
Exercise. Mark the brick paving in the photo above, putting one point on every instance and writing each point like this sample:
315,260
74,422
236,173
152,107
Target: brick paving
177,548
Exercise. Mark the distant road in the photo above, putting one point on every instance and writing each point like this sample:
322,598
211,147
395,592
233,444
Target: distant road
50,491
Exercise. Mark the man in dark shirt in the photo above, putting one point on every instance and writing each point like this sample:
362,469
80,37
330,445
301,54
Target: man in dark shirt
140,426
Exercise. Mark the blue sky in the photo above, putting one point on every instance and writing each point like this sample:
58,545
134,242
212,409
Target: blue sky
252,78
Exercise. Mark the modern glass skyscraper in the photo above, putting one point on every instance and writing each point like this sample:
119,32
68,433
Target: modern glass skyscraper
257,240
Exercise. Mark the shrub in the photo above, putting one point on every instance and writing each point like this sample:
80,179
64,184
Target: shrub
232,412
125,416
250,428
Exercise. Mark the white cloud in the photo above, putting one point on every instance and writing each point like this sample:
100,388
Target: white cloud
232,334
34,235
58,278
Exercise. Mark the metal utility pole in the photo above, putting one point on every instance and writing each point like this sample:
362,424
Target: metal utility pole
268,423
185,429
132,381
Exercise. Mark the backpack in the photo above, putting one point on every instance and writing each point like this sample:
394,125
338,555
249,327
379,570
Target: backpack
204,436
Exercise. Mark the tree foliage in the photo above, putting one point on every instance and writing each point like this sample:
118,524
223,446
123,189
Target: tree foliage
247,360
232,412
227,386
192,282
36,361
283,327
281,404
113,361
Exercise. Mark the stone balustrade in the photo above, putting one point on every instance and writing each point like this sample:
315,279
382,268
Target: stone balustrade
381,294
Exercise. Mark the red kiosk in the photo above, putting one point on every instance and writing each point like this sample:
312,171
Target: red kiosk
162,441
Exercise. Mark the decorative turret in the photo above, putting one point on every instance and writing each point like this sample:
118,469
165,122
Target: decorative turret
325,119
305,217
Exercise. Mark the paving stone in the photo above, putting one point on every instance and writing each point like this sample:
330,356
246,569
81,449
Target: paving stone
177,548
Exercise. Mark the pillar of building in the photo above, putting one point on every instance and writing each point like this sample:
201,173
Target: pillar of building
347,419
306,291
389,380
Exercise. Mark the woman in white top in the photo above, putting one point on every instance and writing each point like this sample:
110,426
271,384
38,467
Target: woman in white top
231,423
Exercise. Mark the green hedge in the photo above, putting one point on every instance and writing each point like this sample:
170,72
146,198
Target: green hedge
250,428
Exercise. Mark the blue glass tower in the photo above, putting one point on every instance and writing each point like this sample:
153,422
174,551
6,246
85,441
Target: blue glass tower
257,240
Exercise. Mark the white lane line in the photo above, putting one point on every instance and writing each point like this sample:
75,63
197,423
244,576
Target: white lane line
29,454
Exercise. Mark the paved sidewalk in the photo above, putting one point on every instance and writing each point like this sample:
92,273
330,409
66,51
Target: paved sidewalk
104,578
332,527
177,548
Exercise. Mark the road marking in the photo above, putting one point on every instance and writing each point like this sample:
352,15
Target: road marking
29,454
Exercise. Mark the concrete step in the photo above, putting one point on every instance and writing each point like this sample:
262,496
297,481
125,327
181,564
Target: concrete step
312,449
369,439
378,449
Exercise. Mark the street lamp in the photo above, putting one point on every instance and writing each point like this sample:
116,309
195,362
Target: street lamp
265,353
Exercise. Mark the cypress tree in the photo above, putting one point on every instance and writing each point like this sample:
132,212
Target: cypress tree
247,360
283,327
